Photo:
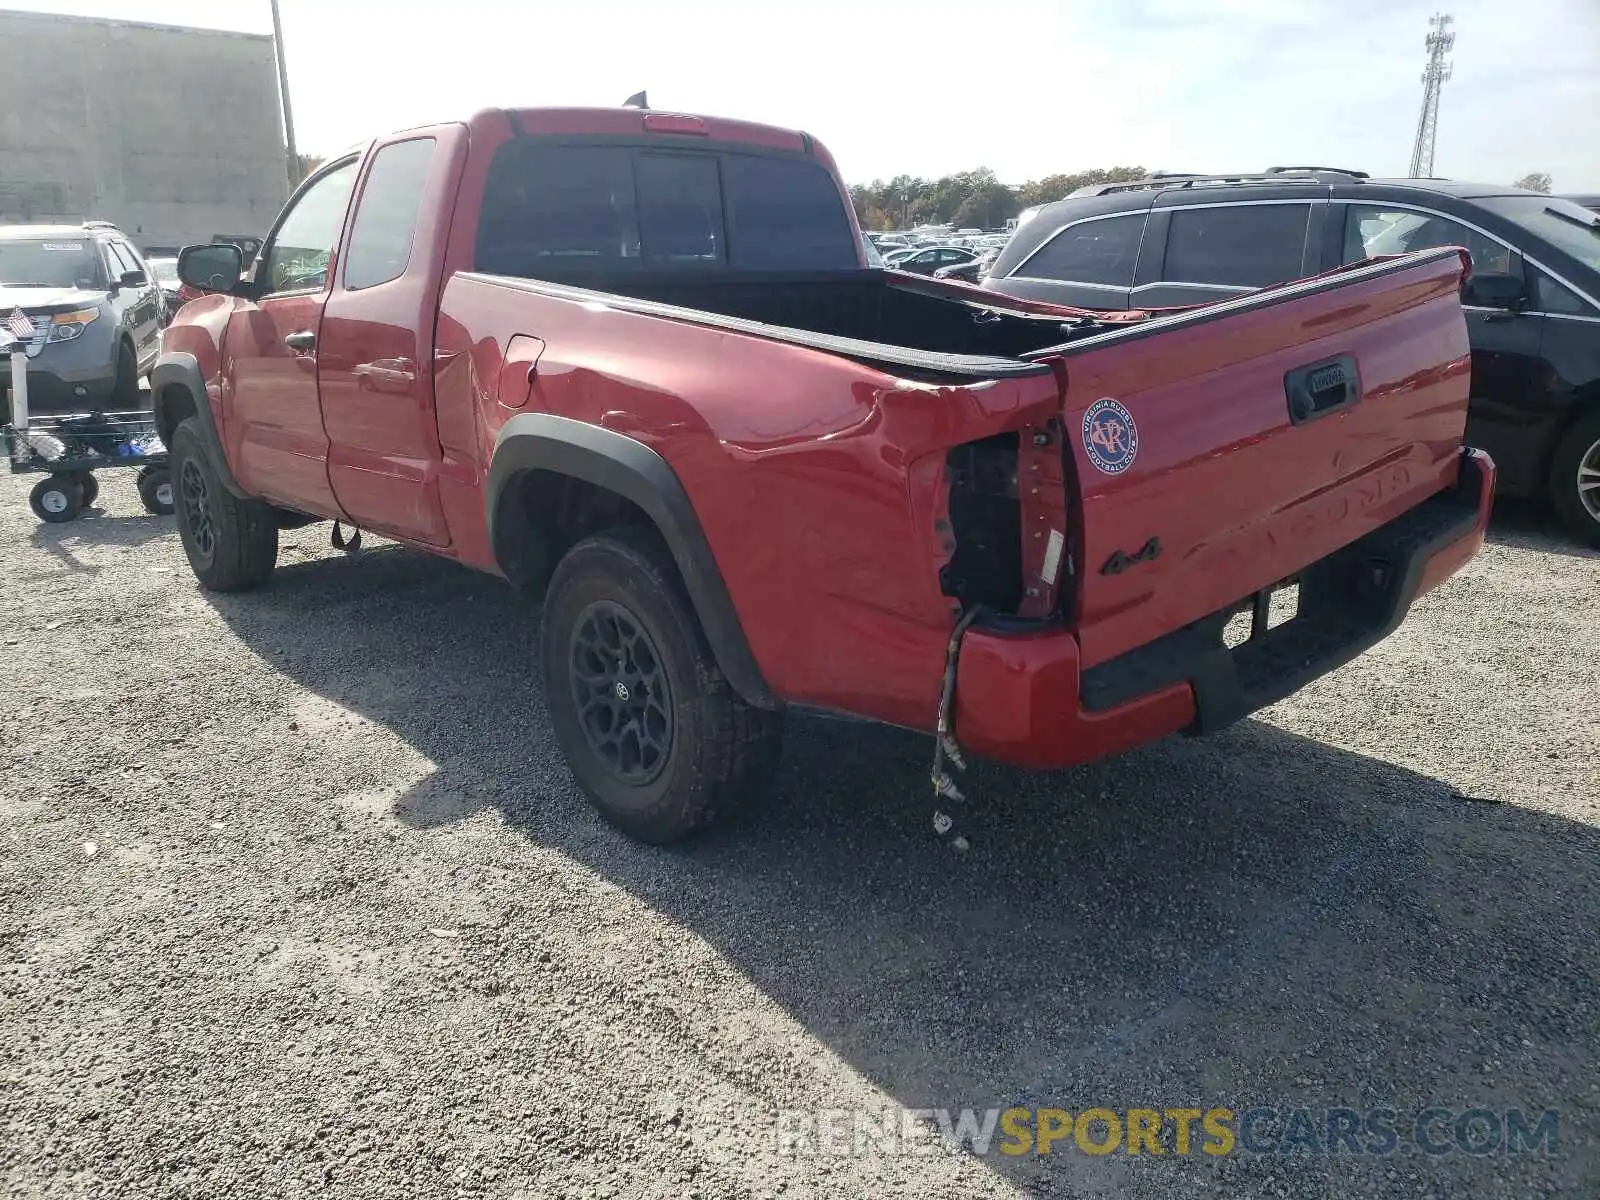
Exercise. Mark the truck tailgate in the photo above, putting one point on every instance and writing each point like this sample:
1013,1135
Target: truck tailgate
1220,451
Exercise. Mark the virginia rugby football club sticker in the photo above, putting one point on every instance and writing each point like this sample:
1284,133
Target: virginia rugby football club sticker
1110,436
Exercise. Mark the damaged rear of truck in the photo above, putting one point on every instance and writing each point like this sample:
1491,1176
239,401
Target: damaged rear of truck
744,474
1093,512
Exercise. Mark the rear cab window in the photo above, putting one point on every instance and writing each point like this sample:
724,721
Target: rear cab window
560,209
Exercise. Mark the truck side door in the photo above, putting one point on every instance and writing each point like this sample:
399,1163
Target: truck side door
272,422
375,347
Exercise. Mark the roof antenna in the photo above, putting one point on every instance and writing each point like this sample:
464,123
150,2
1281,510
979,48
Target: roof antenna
637,100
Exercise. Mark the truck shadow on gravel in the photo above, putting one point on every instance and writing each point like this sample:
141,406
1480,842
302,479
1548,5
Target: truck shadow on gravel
1251,919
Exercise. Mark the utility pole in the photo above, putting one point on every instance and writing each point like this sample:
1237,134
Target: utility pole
283,91
1439,41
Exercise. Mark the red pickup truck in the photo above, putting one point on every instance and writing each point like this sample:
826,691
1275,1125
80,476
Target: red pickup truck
634,362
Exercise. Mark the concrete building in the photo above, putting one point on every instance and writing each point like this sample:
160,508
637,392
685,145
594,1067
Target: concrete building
175,134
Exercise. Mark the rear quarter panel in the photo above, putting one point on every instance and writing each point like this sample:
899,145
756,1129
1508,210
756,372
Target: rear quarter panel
815,478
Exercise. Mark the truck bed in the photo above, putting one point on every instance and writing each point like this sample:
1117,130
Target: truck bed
922,329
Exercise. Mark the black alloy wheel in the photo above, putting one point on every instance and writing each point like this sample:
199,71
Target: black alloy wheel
621,692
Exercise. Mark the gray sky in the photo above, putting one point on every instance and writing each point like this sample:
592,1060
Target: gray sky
1027,87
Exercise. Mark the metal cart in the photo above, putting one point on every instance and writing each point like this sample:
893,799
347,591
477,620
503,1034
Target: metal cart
69,449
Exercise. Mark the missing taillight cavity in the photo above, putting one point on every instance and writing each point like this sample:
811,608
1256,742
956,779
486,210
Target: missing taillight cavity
986,523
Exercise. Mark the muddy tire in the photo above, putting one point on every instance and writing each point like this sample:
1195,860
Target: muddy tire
232,544
1575,479
656,737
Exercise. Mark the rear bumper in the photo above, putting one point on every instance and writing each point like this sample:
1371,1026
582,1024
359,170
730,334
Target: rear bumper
1026,700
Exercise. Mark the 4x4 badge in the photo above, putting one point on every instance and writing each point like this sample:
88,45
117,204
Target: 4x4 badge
1120,562
1110,436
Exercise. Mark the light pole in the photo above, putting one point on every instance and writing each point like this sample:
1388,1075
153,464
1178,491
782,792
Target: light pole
283,92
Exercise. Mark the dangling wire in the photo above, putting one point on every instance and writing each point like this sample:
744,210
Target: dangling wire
945,746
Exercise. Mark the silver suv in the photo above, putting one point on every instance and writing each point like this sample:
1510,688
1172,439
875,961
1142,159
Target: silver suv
95,309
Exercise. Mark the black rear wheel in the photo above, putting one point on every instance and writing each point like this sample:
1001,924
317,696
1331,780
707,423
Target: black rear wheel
656,737
231,544
1575,479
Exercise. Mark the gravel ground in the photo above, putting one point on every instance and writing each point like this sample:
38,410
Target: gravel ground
297,898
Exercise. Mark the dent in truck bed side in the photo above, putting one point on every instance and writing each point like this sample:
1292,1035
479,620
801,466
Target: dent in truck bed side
544,442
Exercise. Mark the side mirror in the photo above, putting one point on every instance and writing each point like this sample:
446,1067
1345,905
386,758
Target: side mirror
133,279
1488,289
214,268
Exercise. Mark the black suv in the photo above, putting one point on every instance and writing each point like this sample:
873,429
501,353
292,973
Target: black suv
95,311
1532,301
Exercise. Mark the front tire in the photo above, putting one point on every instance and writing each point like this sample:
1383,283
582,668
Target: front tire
125,387
231,544
655,736
1575,479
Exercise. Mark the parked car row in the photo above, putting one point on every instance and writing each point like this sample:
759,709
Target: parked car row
926,260
1532,300
939,251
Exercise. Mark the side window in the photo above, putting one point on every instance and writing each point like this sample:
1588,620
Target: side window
547,207
1546,295
297,258
1241,245
680,209
1098,251
386,217
120,261
130,256
1371,231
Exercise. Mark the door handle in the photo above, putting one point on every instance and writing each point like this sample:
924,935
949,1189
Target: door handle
303,340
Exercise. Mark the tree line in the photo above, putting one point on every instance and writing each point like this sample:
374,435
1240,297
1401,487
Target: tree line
977,200
968,199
